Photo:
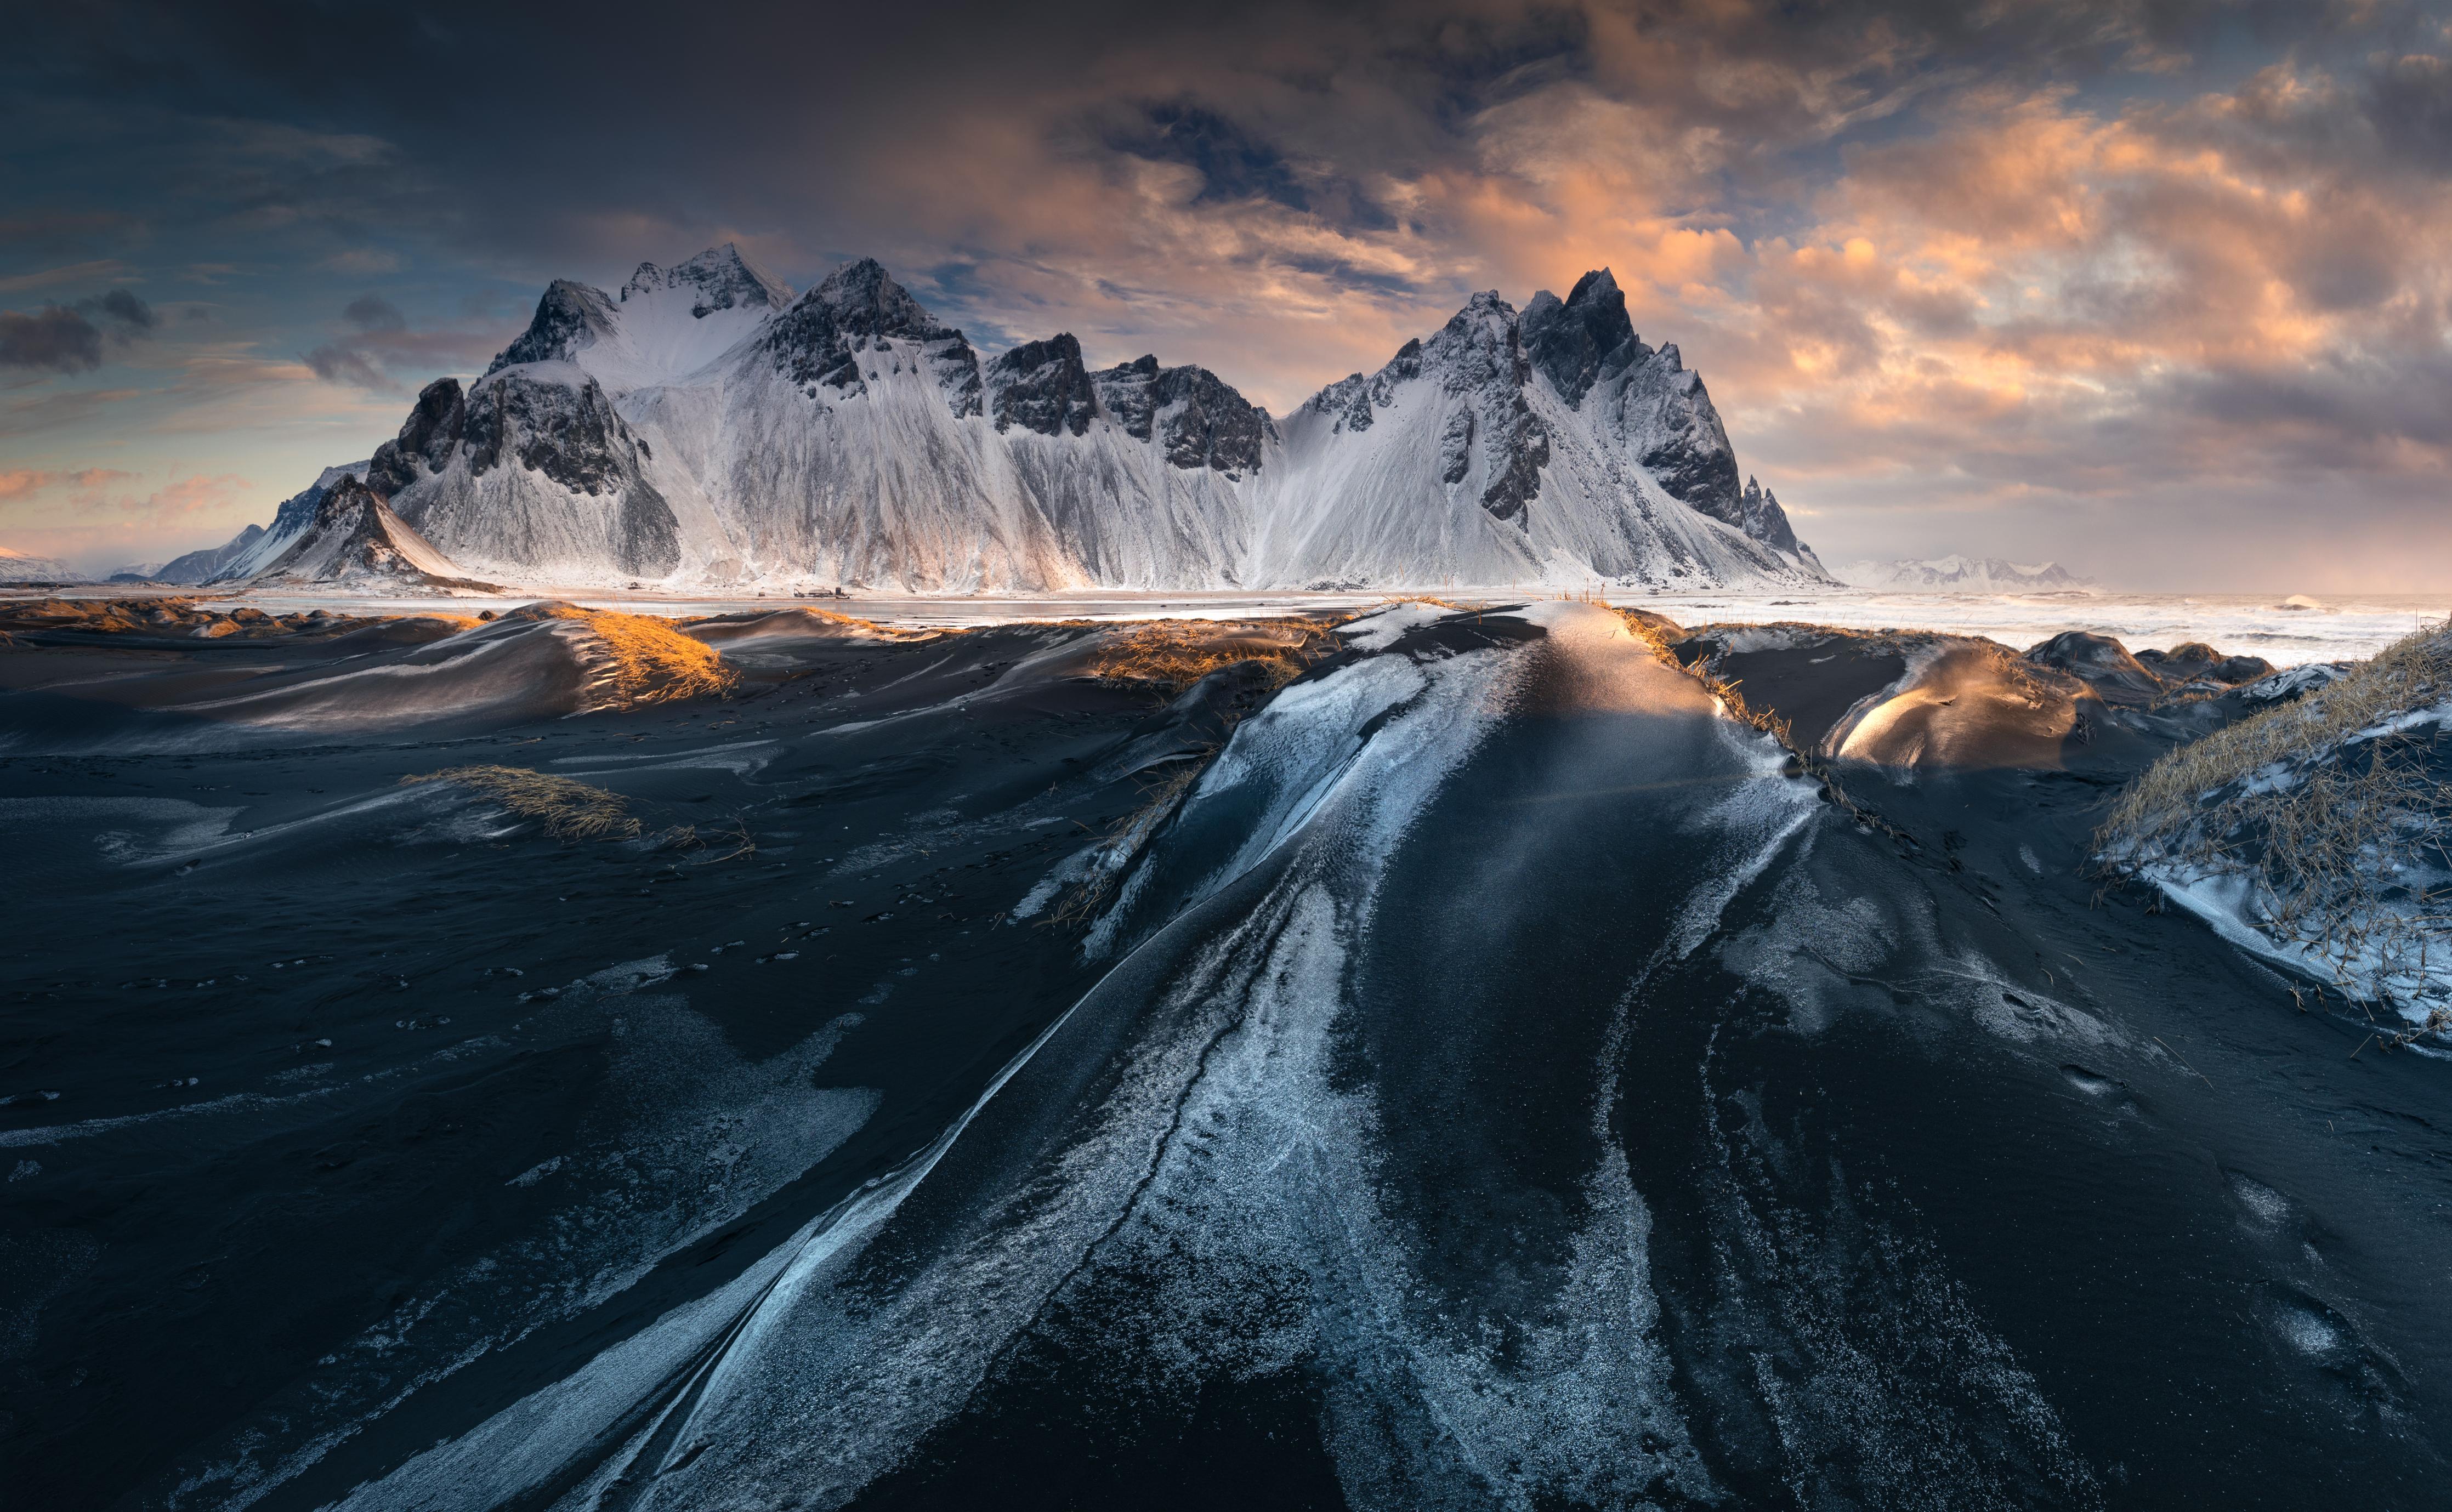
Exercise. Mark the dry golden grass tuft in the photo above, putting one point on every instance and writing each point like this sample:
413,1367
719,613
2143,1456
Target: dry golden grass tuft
1172,655
567,808
2409,674
649,661
883,632
2327,834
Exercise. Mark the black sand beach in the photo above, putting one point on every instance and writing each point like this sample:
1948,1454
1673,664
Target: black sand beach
1009,1064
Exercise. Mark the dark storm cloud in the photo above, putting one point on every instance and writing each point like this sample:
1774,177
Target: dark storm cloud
335,364
124,309
50,340
372,312
2410,101
1233,164
63,338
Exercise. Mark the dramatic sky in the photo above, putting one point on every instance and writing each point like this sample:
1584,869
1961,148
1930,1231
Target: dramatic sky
2158,288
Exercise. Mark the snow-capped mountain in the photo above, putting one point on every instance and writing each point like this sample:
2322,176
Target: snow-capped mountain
1521,449
704,427
200,566
17,566
354,539
1961,575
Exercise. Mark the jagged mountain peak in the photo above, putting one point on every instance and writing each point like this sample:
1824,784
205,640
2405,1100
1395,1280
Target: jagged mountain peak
1584,339
570,317
1487,323
868,300
858,308
724,277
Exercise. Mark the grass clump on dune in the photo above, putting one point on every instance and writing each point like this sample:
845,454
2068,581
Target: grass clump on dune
646,658
1172,655
565,807
2333,816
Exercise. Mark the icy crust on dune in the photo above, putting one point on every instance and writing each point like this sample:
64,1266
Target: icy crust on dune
705,427
710,1136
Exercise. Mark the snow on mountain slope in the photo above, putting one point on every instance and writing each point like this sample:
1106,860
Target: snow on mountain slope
706,427
531,471
197,566
1555,447
16,566
666,324
246,553
355,540
1961,575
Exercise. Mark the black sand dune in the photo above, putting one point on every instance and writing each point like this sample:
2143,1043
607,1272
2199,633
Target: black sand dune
1476,1073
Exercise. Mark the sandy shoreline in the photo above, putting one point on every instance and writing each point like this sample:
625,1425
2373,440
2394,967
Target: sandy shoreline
2343,627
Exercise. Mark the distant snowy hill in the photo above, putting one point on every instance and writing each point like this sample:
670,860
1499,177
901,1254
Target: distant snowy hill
199,566
1960,574
704,427
16,566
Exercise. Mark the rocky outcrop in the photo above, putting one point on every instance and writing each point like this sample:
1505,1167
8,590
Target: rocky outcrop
1197,417
1578,340
426,441
1759,515
534,465
1041,386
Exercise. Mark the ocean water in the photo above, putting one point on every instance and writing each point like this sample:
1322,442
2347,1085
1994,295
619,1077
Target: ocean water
2259,625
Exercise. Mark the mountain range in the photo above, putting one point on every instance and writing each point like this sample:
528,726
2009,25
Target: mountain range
1961,575
705,427
17,566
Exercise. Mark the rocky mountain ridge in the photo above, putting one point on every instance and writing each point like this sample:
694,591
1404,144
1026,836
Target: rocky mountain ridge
707,428
18,566
1957,574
